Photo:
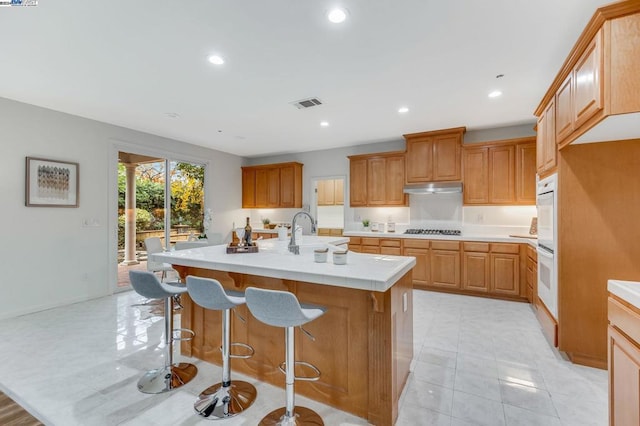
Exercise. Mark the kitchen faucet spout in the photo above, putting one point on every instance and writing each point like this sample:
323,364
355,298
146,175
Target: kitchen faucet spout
293,247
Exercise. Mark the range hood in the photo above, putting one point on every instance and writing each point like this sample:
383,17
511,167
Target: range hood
434,188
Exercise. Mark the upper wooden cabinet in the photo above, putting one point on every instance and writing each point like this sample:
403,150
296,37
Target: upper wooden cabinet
331,192
434,156
546,148
597,91
377,180
501,173
272,186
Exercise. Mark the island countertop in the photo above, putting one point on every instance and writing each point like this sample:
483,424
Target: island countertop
362,271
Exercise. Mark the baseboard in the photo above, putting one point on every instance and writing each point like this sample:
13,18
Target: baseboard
548,324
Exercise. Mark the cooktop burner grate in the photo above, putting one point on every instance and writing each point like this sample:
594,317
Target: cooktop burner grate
433,231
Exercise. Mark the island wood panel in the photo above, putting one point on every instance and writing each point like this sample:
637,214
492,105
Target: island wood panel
363,346
598,209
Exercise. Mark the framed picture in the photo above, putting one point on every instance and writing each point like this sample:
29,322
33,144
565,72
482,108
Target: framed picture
51,183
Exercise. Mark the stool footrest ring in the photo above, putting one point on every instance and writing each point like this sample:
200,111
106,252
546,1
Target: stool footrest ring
190,334
248,348
310,378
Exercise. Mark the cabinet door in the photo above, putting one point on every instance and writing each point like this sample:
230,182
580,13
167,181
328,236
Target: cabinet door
421,270
564,110
273,187
505,274
376,181
549,139
326,193
358,182
526,173
248,188
338,191
587,98
262,188
419,160
476,269
476,172
502,175
624,380
446,157
445,268
288,186
394,181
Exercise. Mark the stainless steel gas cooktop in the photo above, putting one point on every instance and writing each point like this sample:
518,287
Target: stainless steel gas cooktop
433,231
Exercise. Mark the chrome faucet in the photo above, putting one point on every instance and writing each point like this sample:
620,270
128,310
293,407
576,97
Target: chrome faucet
293,247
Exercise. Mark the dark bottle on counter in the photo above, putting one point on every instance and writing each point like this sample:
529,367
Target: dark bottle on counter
247,233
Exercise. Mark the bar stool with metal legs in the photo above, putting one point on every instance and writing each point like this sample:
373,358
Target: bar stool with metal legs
227,398
170,376
282,309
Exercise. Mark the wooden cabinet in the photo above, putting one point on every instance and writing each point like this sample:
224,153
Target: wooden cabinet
434,156
355,244
377,180
546,140
272,186
248,187
532,276
390,246
492,268
330,192
422,271
445,264
599,80
526,173
624,363
500,173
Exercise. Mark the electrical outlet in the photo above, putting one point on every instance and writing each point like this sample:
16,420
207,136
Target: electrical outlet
479,218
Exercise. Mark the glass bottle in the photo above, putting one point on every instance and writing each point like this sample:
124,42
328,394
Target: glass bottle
247,233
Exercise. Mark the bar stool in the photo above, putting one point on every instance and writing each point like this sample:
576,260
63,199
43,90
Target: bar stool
225,399
170,376
282,309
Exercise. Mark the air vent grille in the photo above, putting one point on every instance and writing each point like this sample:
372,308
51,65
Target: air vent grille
307,103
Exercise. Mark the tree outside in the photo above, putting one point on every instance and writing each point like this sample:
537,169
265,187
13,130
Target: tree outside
187,197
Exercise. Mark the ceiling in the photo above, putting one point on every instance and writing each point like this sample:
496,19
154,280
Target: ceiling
137,64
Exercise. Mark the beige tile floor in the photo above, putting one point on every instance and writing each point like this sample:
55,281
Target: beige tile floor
477,362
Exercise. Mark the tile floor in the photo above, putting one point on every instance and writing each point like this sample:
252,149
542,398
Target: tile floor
477,362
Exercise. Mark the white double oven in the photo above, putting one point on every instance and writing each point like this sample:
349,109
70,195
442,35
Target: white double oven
547,205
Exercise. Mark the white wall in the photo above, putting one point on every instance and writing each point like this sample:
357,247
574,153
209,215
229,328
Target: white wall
49,259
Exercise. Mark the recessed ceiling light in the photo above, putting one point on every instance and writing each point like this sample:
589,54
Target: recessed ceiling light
324,123
495,94
172,114
337,15
216,60
403,110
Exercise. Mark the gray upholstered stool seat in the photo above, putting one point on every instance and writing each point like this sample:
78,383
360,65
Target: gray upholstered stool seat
282,309
227,398
170,376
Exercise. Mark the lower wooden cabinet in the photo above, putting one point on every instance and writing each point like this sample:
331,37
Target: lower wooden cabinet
624,364
492,268
445,264
531,277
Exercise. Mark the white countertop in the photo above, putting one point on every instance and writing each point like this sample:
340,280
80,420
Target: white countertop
495,238
362,271
628,291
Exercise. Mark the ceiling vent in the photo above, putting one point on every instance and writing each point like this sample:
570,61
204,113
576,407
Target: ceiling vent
307,103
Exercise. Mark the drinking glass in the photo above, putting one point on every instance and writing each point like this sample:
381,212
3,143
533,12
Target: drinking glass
240,234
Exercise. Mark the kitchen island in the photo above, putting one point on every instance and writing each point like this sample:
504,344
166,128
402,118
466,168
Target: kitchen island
363,344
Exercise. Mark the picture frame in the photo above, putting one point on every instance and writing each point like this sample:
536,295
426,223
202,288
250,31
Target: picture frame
51,183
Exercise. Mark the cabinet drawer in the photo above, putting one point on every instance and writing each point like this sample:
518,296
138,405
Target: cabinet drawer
355,240
389,243
393,251
411,243
480,247
505,248
625,319
366,241
532,254
445,245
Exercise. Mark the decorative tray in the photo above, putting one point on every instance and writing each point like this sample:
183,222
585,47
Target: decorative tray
234,248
